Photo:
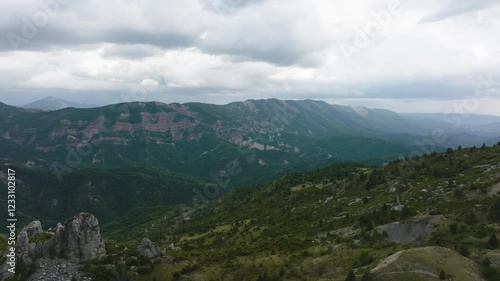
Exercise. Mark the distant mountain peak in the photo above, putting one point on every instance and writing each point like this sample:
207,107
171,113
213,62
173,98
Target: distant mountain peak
54,103
361,110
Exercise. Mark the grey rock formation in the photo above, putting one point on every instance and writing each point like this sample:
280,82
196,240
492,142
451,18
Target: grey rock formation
148,249
56,253
173,247
407,232
26,250
78,240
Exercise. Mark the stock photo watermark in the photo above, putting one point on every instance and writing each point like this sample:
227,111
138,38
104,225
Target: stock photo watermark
221,179
484,89
31,26
364,36
11,221
226,6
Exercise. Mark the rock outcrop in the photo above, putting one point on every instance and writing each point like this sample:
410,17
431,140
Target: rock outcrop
56,254
148,249
407,232
26,250
78,240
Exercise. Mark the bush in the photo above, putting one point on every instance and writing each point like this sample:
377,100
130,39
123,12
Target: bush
365,259
464,251
442,275
490,273
145,269
453,228
350,276
367,277
493,242
176,276
494,213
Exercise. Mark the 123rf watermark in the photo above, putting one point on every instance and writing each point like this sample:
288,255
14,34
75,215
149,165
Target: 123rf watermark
11,220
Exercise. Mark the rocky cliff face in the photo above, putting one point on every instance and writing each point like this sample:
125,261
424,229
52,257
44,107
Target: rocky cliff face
78,240
262,124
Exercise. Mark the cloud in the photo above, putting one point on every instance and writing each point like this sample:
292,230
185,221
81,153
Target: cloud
228,6
453,8
192,50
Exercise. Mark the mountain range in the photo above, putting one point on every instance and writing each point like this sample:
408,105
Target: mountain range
198,138
53,103
67,155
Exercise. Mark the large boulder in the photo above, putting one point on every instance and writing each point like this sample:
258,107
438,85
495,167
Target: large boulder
78,240
148,249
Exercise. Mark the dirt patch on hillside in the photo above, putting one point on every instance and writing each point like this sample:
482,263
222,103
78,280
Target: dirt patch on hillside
407,232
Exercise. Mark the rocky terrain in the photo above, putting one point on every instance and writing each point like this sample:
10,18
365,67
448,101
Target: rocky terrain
55,254
57,270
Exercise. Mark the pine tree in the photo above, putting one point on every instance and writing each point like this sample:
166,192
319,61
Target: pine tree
351,276
442,275
494,213
493,242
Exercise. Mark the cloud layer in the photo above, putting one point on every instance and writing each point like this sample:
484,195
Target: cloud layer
376,53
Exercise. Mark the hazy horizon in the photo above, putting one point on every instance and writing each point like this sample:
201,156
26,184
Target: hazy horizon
107,104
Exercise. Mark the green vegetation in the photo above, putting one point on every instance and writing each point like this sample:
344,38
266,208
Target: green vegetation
322,224
41,237
325,225
109,194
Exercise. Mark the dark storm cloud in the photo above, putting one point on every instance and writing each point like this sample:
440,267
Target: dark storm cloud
272,40
51,38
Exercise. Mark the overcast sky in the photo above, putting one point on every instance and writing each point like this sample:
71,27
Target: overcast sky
407,56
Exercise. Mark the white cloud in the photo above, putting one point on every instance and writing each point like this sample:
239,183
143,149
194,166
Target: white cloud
197,50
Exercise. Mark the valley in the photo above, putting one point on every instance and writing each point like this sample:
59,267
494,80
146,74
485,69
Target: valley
410,219
259,190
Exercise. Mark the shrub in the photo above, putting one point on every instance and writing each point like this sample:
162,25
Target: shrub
367,277
365,259
493,242
490,273
442,275
145,269
350,276
464,251
453,228
494,213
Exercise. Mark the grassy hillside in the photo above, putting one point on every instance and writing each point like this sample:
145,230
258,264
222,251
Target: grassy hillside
440,212
426,264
